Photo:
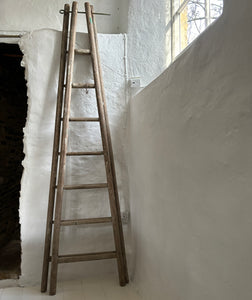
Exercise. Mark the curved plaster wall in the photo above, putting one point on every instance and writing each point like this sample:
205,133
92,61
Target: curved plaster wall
190,169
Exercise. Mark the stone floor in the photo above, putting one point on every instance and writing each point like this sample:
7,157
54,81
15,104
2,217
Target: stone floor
87,289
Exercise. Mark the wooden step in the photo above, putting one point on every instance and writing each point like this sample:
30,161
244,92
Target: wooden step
82,51
70,258
84,153
84,119
85,186
88,221
83,85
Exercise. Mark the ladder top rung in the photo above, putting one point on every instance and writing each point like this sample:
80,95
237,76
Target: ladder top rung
85,186
83,85
84,153
84,119
88,221
86,257
82,51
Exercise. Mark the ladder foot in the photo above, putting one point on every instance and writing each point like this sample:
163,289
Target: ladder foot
123,283
42,290
52,291
43,287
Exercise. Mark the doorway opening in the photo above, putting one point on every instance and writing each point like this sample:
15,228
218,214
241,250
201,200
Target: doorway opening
13,112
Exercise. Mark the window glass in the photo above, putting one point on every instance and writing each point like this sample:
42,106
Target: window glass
191,18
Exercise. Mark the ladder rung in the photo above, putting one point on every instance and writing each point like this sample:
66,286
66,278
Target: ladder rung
84,119
83,85
86,221
82,51
85,186
86,257
85,153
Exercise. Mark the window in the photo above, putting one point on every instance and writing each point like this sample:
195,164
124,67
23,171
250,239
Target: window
190,18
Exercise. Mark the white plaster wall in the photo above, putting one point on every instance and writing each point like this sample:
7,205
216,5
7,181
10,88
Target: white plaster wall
148,38
41,59
190,169
27,15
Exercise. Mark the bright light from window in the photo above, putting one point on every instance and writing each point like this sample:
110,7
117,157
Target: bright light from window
200,14
190,18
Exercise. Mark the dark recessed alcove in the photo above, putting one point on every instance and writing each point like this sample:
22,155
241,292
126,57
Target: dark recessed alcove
13,104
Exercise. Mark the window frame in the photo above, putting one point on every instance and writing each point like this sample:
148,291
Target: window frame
176,9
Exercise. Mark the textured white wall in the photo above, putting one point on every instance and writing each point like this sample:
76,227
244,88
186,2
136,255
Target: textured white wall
28,15
41,58
191,166
148,38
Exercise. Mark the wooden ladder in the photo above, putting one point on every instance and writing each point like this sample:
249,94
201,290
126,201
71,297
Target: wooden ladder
57,186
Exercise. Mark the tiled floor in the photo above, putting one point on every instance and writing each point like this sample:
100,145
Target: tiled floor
88,289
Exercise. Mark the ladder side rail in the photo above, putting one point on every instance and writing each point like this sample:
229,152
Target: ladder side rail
58,209
117,203
120,261
56,142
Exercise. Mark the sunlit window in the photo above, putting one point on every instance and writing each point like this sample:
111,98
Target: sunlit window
190,18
